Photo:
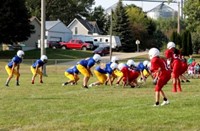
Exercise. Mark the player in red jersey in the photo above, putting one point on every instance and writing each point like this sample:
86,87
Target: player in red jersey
161,74
174,62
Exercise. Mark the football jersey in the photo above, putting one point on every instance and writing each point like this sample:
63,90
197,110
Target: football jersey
99,69
16,60
38,63
87,62
157,63
141,67
108,69
72,70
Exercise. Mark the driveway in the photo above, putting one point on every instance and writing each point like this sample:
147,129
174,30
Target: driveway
120,55
123,56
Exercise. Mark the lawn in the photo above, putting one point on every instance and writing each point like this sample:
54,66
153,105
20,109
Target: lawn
52,54
50,106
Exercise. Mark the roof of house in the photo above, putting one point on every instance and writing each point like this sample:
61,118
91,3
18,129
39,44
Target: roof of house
161,7
51,24
89,25
35,18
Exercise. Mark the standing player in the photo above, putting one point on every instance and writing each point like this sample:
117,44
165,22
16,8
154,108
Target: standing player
161,75
10,68
72,74
174,62
84,67
37,68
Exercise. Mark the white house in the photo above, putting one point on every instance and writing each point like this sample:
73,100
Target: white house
162,11
31,43
57,31
80,26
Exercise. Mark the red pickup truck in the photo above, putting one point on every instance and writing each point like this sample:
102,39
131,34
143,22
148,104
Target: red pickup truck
76,44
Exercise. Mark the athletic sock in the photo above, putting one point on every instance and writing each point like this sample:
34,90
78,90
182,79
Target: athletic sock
165,99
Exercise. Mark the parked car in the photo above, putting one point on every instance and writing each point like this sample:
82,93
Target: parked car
102,50
76,44
54,44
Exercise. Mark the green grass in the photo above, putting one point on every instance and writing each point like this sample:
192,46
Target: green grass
52,54
50,106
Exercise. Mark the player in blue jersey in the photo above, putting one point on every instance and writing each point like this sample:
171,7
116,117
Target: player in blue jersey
143,69
37,68
10,67
103,74
72,74
84,66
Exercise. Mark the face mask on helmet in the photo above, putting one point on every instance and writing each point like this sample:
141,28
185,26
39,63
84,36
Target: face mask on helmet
113,66
114,59
130,63
20,53
145,63
97,58
44,58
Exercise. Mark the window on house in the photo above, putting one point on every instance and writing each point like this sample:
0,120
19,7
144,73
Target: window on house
100,39
76,30
95,40
106,40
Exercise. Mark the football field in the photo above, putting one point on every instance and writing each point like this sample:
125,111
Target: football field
50,106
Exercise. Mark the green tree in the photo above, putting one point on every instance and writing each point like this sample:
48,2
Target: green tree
14,21
189,43
65,10
144,28
184,44
121,27
192,11
98,15
176,38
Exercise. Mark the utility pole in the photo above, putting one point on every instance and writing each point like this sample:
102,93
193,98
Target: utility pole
42,40
111,27
178,18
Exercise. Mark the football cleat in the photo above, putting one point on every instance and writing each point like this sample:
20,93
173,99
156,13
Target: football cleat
165,103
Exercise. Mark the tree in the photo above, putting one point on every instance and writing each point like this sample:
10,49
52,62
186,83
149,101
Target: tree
144,29
98,15
176,38
187,48
121,27
189,43
184,44
14,21
192,11
65,10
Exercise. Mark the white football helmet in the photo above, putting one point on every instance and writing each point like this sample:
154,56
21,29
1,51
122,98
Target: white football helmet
146,62
153,52
44,58
114,59
121,66
113,66
97,57
170,45
20,53
130,63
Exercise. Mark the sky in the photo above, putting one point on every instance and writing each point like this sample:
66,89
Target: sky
146,6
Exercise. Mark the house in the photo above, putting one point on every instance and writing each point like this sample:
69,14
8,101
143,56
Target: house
84,27
31,43
162,11
57,31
